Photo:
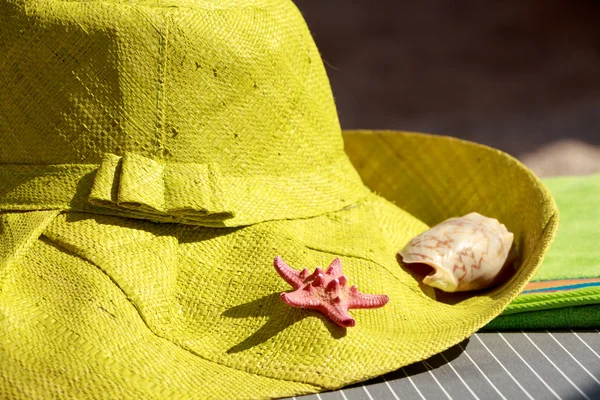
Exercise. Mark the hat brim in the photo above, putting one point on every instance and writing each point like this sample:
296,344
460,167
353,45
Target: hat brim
107,305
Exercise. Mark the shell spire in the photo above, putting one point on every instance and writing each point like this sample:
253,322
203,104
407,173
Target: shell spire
326,292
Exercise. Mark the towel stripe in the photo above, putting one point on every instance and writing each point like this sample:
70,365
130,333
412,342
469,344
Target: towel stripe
555,283
562,288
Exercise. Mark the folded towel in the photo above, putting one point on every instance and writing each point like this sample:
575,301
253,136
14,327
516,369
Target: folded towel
565,293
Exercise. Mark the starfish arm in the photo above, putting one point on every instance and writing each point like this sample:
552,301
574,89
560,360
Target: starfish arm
288,274
339,315
300,299
362,300
335,268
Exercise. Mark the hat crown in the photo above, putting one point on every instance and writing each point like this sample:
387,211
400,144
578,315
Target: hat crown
235,83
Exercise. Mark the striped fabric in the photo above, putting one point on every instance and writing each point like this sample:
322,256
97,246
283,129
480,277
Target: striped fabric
509,365
560,285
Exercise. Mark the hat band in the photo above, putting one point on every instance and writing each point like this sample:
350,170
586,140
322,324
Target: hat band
199,194
144,188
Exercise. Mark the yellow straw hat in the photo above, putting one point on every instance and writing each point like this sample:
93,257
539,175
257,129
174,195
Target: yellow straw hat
155,156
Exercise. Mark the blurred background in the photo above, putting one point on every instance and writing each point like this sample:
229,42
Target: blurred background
522,76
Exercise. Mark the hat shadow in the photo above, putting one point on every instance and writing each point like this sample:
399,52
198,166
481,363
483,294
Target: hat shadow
183,233
432,363
279,317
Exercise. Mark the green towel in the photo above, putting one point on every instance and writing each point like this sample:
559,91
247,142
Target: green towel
565,293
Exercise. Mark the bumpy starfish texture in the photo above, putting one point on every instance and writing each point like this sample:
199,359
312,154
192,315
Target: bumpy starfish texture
326,292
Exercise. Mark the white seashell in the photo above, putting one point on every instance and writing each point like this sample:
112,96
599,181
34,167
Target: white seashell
466,253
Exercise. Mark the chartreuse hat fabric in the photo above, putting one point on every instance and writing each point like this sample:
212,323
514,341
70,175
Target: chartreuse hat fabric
155,156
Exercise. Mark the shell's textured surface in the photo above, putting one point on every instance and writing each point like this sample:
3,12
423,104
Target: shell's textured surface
466,253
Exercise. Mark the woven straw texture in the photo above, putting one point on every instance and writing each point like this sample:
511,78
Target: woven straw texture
148,94
155,156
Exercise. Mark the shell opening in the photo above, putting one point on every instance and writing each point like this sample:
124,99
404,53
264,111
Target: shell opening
422,270
441,279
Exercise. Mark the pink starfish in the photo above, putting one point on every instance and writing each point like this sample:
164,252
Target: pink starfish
326,292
